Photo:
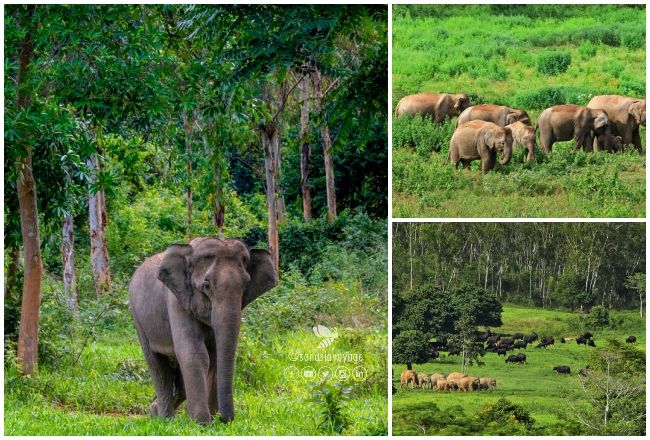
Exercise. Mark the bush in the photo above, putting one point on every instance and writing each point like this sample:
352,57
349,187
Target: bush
598,317
553,63
587,50
540,99
422,134
505,412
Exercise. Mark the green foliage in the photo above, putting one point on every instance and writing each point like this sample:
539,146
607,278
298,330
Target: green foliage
553,63
410,347
598,317
422,134
587,50
506,414
540,98
332,399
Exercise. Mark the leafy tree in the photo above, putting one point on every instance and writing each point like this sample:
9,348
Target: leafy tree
410,347
506,418
598,317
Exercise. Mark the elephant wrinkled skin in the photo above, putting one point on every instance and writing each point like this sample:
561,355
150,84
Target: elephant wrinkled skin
476,140
499,114
437,106
569,121
523,135
625,115
187,305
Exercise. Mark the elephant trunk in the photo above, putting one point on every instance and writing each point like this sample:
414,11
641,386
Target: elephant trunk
507,154
226,321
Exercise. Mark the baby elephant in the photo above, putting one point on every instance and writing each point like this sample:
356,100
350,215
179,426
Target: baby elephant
445,385
566,122
523,136
480,140
408,376
608,142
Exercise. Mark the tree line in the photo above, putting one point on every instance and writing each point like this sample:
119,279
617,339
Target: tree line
572,266
286,101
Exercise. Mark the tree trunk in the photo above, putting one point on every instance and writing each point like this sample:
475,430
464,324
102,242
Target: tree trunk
67,253
26,186
268,139
219,207
327,147
304,148
187,126
97,218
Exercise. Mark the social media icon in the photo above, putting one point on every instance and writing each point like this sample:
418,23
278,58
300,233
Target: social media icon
359,374
325,373
308,373
342,373
291,372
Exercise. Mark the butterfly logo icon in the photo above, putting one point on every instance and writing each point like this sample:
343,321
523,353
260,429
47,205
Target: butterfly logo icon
326,335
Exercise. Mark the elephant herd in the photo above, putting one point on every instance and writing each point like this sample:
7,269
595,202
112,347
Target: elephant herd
606,123
440,382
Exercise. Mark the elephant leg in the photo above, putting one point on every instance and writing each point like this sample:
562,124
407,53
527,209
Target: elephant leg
587,143
636,140
466,164
179,388
194,362
546,141
162,376
439,118
488,161
213,403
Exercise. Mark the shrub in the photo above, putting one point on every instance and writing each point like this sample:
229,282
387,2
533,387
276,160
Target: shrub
505,412
553,63
598,317
540,99
421,133
587,50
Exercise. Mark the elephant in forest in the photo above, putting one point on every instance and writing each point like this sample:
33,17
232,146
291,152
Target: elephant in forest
523,135
424,380
446,385
499,114
469,383
409,376
569,121
187,306
487,383
437,106
625,115
480,140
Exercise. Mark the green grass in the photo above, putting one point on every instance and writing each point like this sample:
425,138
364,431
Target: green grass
497,59
101,396
535,385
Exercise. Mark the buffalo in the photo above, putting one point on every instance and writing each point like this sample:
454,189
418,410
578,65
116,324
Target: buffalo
631,340
562,369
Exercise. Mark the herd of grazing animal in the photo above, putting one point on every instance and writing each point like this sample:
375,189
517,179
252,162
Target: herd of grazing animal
606,123
499,344
441,382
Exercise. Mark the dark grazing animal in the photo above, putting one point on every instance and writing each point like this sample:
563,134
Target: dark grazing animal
545,342
522,357
584,372
500,351
631,340
520,344
516,359
562,369
587,335
562,341
533,337
518,336
581,340
591,343
434,354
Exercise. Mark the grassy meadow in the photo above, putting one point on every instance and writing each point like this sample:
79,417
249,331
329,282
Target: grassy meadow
535,386
500,54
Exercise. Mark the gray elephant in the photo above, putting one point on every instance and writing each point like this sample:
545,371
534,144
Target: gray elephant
436,106
608,142
625,115
480,140
499,114
569,121
187,305
523,135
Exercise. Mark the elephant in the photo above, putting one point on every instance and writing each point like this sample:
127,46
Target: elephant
480,140
445,385
625,115
435,377
469,383
523,135
455,377
570,121
187,306
487,383
608,142
409,376
424,380
499,114
437,106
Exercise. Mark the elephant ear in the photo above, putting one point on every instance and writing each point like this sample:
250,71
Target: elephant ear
511,118
482,140
263,275
175,272
636,110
